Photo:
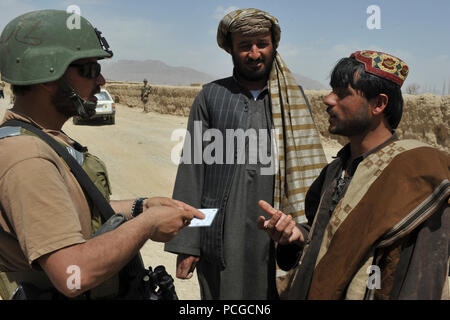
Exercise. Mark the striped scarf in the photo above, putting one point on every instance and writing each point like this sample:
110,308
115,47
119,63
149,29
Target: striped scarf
300,153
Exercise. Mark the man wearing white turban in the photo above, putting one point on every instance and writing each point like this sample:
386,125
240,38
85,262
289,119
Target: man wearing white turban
234,259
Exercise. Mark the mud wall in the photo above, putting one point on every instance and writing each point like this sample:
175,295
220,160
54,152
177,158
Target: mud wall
426,117
175,100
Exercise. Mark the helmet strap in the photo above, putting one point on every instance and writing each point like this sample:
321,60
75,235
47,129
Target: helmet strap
85,109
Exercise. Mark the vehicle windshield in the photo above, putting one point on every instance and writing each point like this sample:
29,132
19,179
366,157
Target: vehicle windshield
102,96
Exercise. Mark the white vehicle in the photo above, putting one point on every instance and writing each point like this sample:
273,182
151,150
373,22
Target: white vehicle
105,110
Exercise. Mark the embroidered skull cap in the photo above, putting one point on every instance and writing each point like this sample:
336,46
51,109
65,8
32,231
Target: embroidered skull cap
383,65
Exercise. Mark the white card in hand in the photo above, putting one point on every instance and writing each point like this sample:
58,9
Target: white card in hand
209,217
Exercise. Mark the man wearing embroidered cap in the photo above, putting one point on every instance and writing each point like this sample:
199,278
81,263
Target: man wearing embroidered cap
235,259
378,215
54,194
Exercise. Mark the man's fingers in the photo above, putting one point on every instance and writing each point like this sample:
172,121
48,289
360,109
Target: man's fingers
294,236
180,273
186,266
183,266
267,207
193,265
189,215
198,214
183,205
192,268
273,221
169,202
179,203
287,232
279,226
283,222
260,223
195,212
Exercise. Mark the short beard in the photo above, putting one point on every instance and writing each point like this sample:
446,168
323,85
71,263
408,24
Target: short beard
63,104
253,76
358,125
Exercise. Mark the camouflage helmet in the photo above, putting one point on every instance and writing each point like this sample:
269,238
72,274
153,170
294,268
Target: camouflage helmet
38,46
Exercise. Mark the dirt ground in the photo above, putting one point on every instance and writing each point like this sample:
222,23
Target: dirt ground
137,151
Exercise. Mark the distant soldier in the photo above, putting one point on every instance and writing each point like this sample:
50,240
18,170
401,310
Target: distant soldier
2,86
145,91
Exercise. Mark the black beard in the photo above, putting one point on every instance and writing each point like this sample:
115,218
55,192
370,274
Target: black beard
66,106
63,104
358,125
253,76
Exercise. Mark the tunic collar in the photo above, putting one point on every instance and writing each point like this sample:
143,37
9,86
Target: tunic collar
345,154
247,92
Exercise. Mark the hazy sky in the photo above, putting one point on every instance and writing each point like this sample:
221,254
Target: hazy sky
314,34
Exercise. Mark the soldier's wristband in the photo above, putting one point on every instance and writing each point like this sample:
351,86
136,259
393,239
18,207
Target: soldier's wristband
137,207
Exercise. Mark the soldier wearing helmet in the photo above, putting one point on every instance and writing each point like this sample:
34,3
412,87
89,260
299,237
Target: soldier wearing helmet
145,92
46,218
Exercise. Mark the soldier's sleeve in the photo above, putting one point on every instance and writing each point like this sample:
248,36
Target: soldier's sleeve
43,222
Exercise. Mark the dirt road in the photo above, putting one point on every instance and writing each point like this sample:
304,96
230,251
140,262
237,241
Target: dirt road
137,151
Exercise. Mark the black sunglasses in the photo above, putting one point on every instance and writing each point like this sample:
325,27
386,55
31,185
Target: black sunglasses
89,70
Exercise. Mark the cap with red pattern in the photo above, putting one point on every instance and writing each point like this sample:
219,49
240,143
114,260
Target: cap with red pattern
383,65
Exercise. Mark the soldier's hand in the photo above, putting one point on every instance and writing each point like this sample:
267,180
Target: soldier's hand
164,201
165,222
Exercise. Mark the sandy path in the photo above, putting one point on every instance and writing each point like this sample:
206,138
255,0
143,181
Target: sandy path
137,152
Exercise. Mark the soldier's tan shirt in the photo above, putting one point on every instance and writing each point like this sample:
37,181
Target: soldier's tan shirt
43,208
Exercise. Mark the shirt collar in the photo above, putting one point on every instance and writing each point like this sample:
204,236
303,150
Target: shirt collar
345,153
237,80
10,115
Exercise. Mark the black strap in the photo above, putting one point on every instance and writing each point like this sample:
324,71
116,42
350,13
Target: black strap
83,179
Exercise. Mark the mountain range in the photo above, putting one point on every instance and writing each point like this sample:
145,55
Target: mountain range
158,72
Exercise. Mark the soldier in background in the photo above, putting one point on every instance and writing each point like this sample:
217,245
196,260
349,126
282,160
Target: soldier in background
145,92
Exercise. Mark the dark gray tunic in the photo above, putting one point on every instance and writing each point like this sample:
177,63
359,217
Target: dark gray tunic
237,261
